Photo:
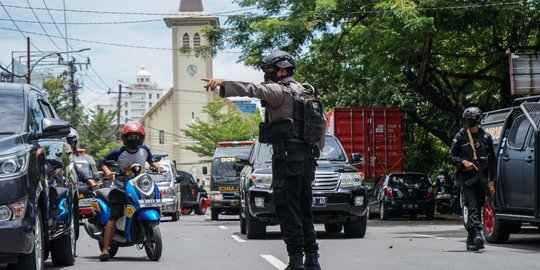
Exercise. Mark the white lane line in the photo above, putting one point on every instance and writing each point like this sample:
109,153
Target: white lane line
238,238
222,227
429,236
275,262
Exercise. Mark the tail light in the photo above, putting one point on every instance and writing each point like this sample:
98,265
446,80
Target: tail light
193,191
388,191
430,192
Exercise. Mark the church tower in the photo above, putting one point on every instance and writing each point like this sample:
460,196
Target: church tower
188,95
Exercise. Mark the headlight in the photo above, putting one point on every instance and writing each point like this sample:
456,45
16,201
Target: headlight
13,211
261,180
145,183
14,164
216,197
350,180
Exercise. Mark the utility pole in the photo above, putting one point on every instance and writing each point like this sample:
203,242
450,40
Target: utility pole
118,103
73,91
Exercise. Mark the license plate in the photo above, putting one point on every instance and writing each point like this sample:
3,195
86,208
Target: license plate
318,201
410,206
85,202
150,203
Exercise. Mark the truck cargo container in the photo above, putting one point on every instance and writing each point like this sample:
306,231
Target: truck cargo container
374,133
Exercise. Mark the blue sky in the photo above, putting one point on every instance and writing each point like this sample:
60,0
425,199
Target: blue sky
110,63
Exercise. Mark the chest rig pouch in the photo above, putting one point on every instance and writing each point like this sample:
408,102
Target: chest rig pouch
474,148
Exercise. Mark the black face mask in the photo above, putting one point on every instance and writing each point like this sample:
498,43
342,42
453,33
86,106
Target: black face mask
133,144
471,122
271,76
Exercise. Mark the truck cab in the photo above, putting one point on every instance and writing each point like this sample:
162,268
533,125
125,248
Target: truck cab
515,133
225,177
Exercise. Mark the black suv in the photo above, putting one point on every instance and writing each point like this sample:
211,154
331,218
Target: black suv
339,195
37,195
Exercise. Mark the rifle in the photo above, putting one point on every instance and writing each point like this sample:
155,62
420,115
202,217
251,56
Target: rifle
480,176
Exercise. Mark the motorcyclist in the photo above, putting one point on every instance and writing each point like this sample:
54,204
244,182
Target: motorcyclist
72,140
133,151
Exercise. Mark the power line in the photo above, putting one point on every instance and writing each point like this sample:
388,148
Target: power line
43,28
90,23
18,29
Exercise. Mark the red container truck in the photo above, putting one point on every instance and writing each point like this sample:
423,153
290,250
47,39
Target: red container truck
374,133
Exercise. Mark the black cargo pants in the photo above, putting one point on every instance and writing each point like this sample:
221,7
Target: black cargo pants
473,197
292,178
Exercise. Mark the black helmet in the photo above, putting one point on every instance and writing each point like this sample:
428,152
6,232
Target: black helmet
472,112
279,59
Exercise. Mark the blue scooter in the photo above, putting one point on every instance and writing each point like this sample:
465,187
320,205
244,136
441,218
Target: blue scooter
140,223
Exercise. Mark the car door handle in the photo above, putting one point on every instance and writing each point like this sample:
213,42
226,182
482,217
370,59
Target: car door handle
529,159
506,158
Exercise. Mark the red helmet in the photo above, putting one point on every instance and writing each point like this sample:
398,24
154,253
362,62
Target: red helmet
133,127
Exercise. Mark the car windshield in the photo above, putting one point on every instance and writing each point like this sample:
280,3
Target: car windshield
332,150
165,178
409,181
225,169
12,111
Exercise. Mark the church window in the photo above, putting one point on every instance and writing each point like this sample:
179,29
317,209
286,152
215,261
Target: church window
185,41
196,40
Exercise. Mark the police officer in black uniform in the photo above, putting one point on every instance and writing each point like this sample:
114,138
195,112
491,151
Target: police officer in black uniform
293,160
473,155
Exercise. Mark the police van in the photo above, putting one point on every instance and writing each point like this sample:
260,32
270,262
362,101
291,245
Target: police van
515,131
225,177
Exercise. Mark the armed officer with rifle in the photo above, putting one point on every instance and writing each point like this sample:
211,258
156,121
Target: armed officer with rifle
294,125
473,155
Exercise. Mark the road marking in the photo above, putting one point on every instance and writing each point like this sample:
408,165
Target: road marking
429,236
238,238
222,227
275,262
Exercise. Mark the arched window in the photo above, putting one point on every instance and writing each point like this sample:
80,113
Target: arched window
196,40
185,40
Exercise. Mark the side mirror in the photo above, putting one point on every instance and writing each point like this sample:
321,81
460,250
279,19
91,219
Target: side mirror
99,176
357,158
205,170
54,128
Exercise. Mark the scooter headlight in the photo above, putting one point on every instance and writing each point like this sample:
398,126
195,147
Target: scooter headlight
145,183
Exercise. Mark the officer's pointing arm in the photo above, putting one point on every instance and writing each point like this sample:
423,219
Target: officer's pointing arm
272,93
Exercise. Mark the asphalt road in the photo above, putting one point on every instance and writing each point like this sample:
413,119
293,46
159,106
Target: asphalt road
196,242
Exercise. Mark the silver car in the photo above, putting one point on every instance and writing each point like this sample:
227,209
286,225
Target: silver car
169,189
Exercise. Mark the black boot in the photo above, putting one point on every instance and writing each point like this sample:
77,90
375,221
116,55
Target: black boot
312,261
478,239
295,262
470,242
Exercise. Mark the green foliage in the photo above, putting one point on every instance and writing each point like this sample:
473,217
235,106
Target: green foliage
98,136
432,57
227,123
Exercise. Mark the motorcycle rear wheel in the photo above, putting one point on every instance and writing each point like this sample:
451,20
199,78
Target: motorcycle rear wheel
152,243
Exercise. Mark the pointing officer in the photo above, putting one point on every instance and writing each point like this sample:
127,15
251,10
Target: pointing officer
473,155
293,159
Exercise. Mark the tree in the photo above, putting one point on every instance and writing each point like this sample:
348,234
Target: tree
98,136
227,123
431,57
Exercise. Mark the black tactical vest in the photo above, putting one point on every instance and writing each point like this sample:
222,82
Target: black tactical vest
480,141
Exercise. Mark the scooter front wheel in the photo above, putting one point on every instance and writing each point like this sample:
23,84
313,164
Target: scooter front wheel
152,242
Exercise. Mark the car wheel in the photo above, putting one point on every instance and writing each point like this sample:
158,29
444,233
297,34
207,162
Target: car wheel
383,214
34,260
356,229
333,228
175,216
201,207
255,228
495,231
215,213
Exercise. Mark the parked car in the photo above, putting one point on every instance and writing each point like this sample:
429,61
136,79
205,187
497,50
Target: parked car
194,196
339,194
402,193
169,188
87,164
37,193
